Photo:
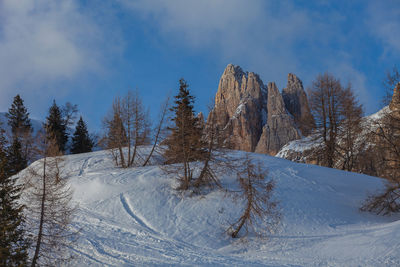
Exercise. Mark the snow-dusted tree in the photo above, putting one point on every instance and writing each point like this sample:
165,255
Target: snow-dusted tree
50,209
184,144
81,140
14,244
127,125
259,204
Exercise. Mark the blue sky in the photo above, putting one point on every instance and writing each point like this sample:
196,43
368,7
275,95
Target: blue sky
87,52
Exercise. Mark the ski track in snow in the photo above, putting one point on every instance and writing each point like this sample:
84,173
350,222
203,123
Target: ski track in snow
129,210
133,217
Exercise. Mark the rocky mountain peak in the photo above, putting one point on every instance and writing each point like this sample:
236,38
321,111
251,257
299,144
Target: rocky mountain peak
395,103
275,104
251,116
296,103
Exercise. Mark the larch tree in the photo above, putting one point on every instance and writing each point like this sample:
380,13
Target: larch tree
158,131
349,146
184,144
81,140
337,117
50,208
257,194
127,127
386,140
56,127
14,244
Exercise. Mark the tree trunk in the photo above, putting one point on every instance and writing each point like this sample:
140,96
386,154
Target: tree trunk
40,234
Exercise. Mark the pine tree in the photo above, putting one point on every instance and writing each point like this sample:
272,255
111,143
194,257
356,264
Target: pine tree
13,242
16,158
81,141
18,117
184,145
56,128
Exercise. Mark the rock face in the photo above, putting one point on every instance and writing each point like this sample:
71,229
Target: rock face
395,103
296,102
250,115
240,103
279,128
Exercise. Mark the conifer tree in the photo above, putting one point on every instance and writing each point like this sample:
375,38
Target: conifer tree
18,117
17,160
81,141
56,128
13,243
184,144
21,128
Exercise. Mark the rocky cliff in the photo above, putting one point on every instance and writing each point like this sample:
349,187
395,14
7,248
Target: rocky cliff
296,102
254,117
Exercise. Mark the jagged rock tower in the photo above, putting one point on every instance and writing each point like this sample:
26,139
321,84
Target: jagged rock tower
395,103
254,117
296,102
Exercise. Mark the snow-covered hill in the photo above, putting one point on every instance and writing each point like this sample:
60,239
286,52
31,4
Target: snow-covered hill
304,150
133,217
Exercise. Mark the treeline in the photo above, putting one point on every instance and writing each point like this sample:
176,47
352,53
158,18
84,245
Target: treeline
35,207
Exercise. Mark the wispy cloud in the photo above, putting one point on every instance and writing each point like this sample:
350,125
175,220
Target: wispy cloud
384,22
44,41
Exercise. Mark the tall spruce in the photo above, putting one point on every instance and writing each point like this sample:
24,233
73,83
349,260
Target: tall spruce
56,128
18,118
21,128
184,144
17,160
81,141
13,242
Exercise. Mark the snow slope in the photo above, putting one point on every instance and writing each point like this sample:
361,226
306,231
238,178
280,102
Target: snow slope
295,150
133,217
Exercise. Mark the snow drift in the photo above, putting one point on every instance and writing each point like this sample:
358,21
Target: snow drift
134,217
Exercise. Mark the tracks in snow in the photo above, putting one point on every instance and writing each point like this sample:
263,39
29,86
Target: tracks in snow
141,221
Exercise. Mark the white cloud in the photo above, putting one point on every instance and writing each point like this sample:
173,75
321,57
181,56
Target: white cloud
384,22
43,41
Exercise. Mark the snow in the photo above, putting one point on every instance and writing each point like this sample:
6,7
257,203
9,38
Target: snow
134,217
309,142
300,145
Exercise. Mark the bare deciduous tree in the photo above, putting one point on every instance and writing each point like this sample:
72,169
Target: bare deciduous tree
158,131
337,117
50,208
386,140
257,194
349,145
127,125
